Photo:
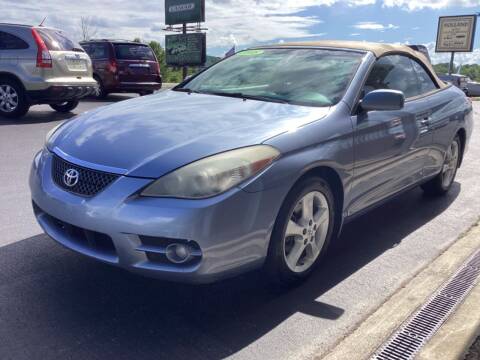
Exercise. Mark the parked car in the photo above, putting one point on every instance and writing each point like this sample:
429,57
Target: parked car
457,80
40,65
473,88
257,161
123,66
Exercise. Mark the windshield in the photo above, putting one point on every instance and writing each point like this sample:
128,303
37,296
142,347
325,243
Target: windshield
308,77
133,52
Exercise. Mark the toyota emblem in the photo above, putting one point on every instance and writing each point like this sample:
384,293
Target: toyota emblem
71,177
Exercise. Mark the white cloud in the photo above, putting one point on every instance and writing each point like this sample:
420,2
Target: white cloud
370,25
460,58
430,4
354,34
240,22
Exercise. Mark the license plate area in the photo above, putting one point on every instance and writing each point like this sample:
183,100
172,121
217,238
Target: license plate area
76,64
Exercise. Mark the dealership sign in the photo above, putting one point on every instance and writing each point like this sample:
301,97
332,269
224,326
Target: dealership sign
184,11
186,49
456,33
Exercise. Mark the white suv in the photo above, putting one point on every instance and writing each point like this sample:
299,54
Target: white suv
40,65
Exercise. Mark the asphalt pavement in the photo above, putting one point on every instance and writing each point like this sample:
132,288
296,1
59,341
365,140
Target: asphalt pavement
56,304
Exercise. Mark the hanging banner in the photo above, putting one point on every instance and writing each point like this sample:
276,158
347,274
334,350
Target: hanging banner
456,33
186,49
184,11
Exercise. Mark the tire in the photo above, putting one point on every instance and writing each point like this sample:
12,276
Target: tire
315,235
146,92
13,101
441,184
101,93
65,107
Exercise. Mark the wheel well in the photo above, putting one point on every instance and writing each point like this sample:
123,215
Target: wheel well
336,185
463,140
13,78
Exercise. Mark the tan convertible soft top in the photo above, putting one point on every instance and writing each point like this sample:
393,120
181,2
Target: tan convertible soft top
378,49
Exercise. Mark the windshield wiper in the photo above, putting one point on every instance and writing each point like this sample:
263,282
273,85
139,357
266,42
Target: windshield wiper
250,97
187,90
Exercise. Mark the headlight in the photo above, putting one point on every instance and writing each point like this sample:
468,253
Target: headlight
51,132
213,175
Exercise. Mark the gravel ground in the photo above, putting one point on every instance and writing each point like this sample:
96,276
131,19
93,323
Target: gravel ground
474,352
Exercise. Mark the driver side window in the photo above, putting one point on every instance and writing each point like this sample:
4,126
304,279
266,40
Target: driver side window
394,72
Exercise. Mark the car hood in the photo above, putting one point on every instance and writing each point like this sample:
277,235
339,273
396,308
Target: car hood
152,135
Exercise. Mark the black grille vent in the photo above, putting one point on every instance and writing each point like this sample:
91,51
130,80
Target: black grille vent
418,329
90,182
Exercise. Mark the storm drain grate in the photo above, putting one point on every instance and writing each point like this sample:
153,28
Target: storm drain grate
420,327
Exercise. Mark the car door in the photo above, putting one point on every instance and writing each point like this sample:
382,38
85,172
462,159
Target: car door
391,147
429,89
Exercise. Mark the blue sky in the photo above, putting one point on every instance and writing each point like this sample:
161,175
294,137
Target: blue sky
250,22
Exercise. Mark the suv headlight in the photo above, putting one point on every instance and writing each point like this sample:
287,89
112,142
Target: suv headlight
213,175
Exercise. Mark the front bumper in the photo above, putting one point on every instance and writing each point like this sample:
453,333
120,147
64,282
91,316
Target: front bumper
232,230
60,93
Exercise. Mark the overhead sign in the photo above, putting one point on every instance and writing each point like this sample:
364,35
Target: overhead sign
456,33
184,11
186,49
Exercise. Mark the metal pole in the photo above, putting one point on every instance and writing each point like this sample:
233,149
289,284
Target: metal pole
450,67
185,69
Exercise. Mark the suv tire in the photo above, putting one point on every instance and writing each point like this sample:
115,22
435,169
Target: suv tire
65,107
292,258
13,101
101,93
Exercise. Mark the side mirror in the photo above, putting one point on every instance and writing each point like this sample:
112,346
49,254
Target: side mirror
383,100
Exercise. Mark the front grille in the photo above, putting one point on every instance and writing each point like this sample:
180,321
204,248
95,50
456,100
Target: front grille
90,182
86,241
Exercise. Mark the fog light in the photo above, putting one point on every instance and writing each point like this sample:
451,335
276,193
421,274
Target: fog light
178,253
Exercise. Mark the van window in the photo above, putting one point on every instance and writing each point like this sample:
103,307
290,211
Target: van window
96,51
133,52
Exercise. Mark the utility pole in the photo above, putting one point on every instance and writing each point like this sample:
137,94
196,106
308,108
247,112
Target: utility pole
185,68
450,66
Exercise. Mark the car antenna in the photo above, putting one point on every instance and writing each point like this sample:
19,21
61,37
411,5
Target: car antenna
41,24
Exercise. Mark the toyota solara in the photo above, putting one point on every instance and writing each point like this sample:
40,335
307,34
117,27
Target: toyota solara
255,162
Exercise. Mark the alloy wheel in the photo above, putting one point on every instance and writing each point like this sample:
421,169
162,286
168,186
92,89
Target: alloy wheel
8,98
306,231
450,165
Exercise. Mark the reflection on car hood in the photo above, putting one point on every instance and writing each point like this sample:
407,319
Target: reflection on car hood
152,135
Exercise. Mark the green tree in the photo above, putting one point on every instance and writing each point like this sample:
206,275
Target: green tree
470,70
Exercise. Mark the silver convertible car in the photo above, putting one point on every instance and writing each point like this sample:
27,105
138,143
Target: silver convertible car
254,162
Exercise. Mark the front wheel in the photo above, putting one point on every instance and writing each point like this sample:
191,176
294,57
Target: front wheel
302,232
13,102
442,183
65,107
